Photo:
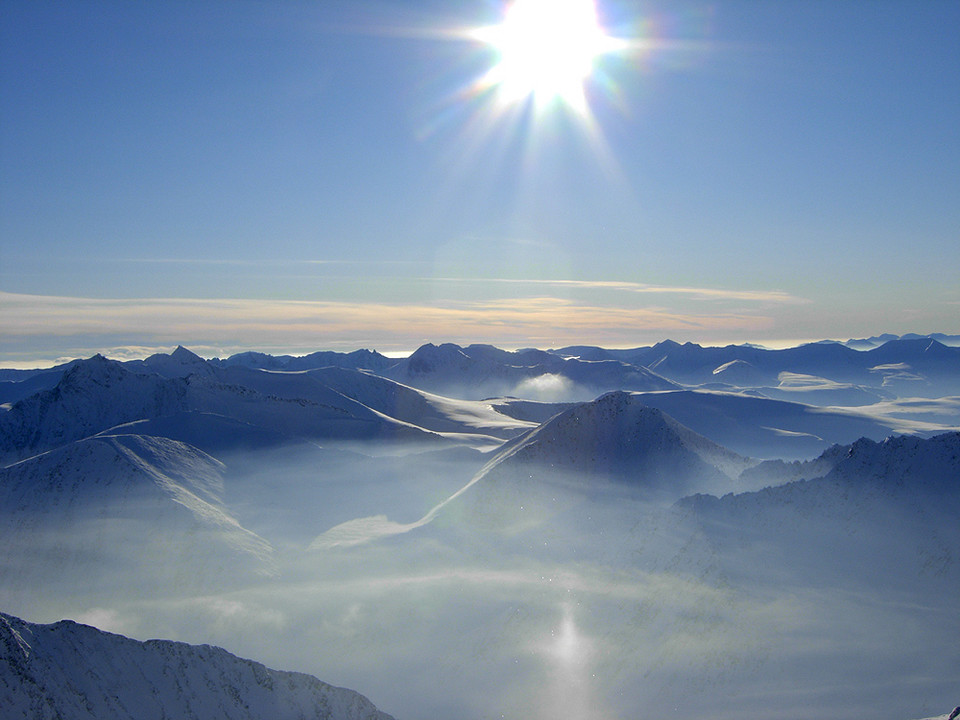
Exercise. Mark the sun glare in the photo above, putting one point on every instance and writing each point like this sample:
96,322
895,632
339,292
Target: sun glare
547,50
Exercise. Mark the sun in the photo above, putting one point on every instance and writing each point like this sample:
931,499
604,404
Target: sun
547,49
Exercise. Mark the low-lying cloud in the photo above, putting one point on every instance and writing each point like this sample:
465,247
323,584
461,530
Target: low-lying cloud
612,610
548,387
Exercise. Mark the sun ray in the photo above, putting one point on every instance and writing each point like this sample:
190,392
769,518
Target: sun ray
547,50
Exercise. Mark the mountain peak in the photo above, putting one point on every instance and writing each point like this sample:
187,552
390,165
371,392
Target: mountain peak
666,344
98,369
618,436
181,354
180,363
428,358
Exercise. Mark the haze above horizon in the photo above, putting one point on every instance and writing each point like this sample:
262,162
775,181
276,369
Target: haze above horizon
342,174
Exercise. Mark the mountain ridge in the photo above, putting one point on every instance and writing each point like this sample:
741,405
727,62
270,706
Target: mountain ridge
67,669
909,364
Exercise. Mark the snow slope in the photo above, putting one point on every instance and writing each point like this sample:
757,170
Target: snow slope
148,509
619,436
481,371
765,428
427,410
878,516
934,367
68,670
98,394
91,396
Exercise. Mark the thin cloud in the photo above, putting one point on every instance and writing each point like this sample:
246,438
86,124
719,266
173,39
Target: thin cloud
767,296
27,320
40,314
235,262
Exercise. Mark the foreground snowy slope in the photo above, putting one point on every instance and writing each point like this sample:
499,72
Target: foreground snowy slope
67,670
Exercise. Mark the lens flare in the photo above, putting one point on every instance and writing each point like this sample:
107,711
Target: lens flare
548,50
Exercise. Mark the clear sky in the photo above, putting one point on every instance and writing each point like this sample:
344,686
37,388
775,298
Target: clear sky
296,176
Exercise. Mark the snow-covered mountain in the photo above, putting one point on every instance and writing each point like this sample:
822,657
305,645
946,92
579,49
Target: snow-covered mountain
878,516
825,373
99,394
612,446
427,410
765,428
92,396
922,465
356,360
480,371
878,340
846,376
618,436
68,670
20,384
180,363
609,446
622,440
150,507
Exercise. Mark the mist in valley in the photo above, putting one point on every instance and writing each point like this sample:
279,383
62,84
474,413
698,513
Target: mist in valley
565,596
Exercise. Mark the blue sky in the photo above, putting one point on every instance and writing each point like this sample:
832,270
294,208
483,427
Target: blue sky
295,176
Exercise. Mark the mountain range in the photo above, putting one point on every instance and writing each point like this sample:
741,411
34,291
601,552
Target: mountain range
820,373
69,670
427,520
348,399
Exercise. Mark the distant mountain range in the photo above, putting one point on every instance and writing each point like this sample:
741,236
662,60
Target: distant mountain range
921,366
878,340
68,670
827,373
214,404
